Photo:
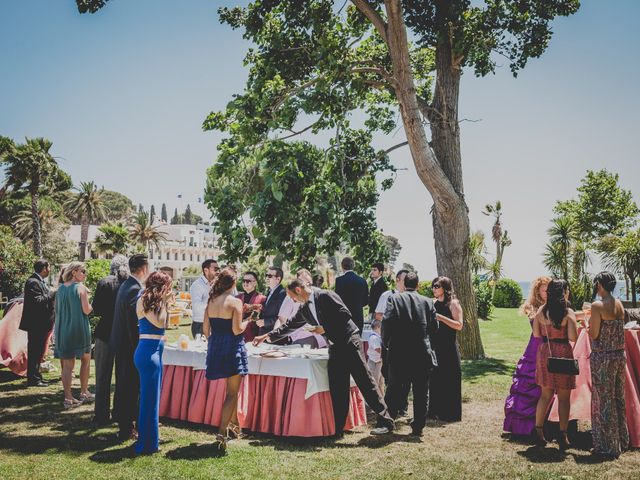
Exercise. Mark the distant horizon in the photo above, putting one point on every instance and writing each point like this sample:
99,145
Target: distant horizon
122,95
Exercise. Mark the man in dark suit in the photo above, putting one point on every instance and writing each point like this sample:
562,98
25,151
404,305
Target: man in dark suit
37,320
407,326
326,311
123,343
353,290
378,287
275,297
104,304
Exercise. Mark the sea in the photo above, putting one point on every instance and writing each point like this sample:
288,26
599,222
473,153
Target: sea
620,291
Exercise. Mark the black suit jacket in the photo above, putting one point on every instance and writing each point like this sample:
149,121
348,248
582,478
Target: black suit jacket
377,289
104,305
124,331
354,292
37,312
333,316
407,326
271,309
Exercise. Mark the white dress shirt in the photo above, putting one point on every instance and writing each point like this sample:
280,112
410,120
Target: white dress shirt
199,298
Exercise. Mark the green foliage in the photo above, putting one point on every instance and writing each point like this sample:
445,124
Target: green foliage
622,255
144,234
16,264
424,288
97,269
482,290
602,207
113,238
393,247
118,207
477,252
508,294
163,213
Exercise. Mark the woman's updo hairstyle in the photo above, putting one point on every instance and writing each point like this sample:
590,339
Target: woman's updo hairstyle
607,280
224,280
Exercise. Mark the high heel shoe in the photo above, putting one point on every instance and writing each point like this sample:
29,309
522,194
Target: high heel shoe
221,442
540,440
563,441
234,431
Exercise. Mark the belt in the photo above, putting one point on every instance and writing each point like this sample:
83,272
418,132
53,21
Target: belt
150,336
555,340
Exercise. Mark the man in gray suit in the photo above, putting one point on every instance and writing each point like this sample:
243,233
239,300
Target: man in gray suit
408,323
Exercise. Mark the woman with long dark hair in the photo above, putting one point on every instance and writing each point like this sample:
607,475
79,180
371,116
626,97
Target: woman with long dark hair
445,387
226,354
608,362
520,405
556,324
151,309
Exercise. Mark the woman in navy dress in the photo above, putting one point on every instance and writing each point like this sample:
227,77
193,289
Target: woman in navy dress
226,354
152,320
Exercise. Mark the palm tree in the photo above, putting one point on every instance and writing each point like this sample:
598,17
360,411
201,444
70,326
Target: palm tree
87,205
501,239
477,252
144,233
113,238
622,254
23,223
562,236
31,168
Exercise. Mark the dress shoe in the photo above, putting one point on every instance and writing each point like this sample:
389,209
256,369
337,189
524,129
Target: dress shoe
37,383
416,432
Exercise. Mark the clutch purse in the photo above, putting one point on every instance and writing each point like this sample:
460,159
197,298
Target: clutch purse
566,366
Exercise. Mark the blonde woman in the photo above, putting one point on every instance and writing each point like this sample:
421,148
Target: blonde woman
72,331
520,406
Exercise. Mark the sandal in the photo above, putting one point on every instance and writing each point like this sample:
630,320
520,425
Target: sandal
71,403
234,431
221,442
87,397
540,440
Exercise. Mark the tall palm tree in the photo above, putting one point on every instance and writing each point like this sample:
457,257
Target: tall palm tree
477,252
144,233
113,238
562,236
30,167
622,254
87,205
23,223
500,238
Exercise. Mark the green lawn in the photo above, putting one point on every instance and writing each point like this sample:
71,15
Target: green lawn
40,440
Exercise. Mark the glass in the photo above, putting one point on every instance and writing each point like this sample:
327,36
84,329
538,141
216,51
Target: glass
586,309
268,275
246,280
437,285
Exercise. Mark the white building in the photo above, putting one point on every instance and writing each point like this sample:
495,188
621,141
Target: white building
185,246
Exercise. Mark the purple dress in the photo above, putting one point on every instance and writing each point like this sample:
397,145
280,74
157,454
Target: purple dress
520,405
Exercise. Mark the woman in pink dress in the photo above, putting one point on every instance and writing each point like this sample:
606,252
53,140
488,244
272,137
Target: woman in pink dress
520,405
556,324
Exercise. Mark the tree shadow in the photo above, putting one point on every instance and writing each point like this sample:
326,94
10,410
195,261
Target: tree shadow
196,451
7,376
476,369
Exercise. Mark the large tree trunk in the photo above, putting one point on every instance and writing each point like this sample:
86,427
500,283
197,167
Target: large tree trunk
37,230
84,235
440,169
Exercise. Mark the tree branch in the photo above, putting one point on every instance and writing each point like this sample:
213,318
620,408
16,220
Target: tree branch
395,147
294,133
374,17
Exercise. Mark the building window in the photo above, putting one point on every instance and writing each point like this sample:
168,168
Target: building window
184,257
198,257
191,257
151,254
167,255
175,256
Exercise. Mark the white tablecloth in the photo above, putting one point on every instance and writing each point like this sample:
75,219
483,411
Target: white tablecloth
296,365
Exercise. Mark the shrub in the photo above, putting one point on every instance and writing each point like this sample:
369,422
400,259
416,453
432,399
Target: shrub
508,294
424,288
16,265
97,269
483,297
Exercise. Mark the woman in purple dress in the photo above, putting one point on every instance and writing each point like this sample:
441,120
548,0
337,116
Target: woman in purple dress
520,405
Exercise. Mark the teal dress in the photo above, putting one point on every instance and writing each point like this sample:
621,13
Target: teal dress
72,331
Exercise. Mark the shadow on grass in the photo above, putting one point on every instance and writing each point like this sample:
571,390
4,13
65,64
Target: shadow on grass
113,456
9,376
537,454
196,451
477,369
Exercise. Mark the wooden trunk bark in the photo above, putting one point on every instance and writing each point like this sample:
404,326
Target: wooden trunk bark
440,169
37,230
84,235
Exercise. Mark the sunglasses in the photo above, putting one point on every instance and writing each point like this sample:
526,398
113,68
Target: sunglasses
269,275
247,280
437,285
82,271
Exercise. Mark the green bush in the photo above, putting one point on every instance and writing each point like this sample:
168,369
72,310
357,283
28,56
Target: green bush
508,294
424,288
97,269
16,265
483,297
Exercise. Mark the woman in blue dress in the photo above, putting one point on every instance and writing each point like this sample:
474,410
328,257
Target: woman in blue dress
152,320
226,353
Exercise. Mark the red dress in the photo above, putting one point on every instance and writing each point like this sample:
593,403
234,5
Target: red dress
253,298
562,349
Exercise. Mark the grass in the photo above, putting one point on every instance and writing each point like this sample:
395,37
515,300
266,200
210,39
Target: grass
40,440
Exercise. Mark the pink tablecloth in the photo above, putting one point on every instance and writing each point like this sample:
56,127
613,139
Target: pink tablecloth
581,396
13,341
266,404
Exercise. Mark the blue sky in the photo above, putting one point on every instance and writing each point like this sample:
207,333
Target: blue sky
123,93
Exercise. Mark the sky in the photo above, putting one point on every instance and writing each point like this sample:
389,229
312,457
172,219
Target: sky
122,95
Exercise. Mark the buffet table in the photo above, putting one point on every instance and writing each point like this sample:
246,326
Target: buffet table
581,395
286,396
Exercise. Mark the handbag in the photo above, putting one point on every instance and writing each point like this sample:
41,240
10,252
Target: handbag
564,366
